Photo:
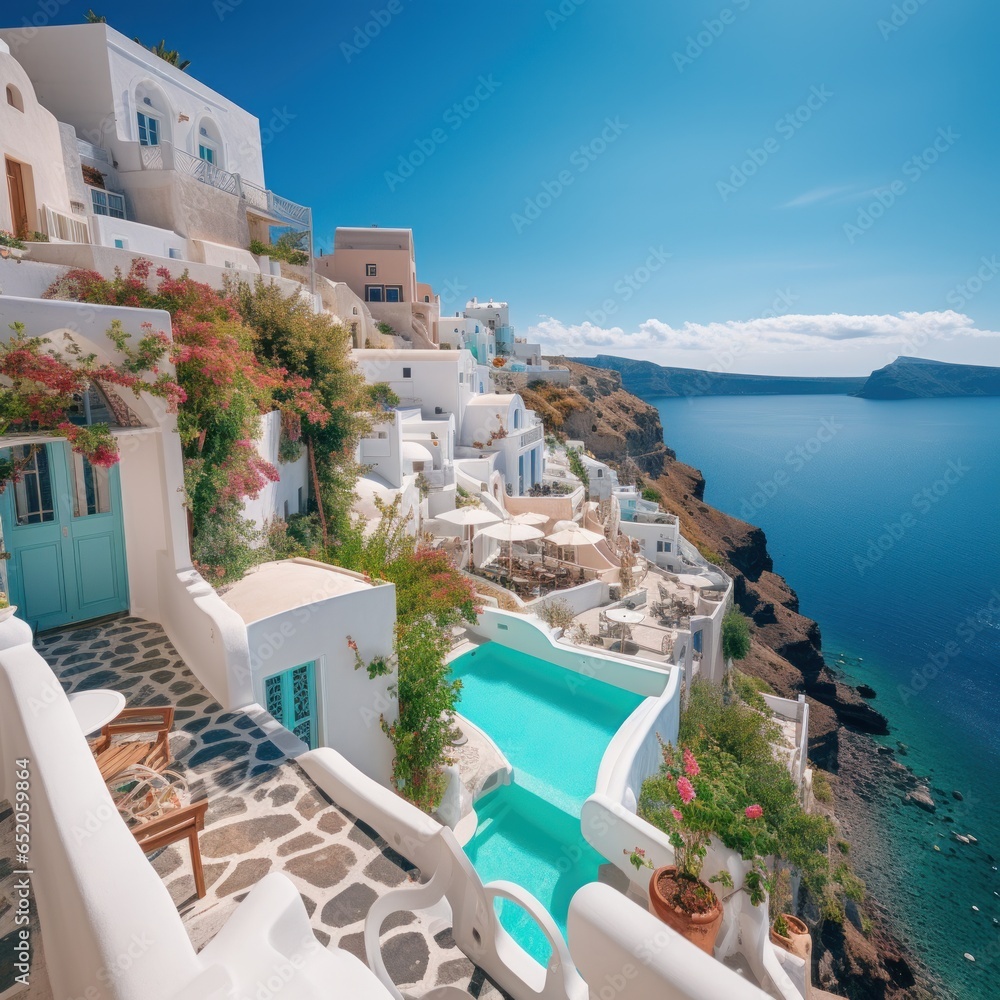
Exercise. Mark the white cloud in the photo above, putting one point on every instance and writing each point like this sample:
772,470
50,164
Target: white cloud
903,333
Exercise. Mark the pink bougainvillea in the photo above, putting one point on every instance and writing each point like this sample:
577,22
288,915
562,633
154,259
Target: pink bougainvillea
754,812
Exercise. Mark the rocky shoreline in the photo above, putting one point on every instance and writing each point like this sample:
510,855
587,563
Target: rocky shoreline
873,963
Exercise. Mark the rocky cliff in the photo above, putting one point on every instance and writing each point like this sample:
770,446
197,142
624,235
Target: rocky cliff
919,378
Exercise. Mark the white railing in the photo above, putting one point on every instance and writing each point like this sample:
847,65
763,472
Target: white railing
273,204
167,157
61,227
207,173
89,151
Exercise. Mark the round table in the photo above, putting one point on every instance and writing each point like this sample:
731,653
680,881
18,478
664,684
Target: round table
627,617
95,709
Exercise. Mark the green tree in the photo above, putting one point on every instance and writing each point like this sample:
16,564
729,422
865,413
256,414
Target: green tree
735,635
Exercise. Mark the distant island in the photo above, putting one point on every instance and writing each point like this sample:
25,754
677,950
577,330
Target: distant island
904,378
918,378
644,378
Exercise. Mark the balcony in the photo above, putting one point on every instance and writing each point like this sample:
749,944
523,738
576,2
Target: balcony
275,208
60,227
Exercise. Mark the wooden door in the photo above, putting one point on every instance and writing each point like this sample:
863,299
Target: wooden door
18,202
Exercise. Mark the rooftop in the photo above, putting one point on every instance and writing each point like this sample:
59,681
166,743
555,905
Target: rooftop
292,583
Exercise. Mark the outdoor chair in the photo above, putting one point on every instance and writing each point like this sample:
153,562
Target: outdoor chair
115,754
179,824
156,806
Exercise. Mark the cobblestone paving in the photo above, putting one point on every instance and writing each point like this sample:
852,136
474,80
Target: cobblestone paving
265,814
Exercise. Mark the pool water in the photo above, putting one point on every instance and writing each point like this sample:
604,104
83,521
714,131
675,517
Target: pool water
553,725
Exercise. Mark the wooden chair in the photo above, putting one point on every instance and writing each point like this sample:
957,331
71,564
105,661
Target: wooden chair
115,755
178,824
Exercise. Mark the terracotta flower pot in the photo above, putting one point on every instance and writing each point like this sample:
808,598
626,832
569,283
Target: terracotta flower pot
799,940
700,928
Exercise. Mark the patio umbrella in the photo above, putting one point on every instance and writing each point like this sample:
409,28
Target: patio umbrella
695,580
468,517
510,532
574,536
530,517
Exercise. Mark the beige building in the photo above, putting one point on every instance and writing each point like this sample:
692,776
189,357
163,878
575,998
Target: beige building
379,265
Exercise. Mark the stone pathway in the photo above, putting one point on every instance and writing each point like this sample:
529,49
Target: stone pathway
265,814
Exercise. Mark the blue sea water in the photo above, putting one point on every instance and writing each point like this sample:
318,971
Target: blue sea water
884,516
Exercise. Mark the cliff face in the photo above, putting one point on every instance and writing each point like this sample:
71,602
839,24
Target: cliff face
618,427
595,409
917,378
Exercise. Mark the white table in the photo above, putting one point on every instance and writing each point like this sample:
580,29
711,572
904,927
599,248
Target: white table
627,617
94,709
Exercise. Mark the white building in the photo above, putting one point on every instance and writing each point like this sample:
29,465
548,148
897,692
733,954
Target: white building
496,315
167,166
31,144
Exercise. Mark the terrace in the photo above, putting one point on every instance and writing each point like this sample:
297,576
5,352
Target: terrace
264,815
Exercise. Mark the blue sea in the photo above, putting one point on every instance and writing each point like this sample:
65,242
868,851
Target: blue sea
884,516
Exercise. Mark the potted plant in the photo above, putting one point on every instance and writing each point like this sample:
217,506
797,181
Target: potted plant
792,934
11,245
6,608
691,806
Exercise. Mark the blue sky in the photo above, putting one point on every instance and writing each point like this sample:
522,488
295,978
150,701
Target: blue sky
745,185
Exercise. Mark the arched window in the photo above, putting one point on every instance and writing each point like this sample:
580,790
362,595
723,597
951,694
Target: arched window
153,115
517,419
14,97
209,143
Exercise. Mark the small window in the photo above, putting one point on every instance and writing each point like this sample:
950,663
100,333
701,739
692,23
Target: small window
175,253
14,98
121,243
427,298
407,373
107,203
393,293
149,129
371,270
374,293
206,153
34,502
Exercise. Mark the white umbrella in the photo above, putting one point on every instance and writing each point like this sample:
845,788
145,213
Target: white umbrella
510,532
530,517
696,581
574,536
467,517
626,616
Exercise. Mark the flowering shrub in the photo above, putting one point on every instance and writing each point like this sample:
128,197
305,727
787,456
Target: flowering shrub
691,803
637,858
431,597
8,239
45,384
228,350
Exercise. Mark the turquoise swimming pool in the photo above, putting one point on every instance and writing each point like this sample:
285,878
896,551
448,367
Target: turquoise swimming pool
553,725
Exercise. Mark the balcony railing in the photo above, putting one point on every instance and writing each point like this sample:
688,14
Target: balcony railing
63,228
88,151
167,157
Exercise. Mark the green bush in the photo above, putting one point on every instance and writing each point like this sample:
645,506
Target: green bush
577,467
288,248
648,493
735,635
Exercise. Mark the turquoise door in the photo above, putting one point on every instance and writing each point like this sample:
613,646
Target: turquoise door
290,698
62,528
